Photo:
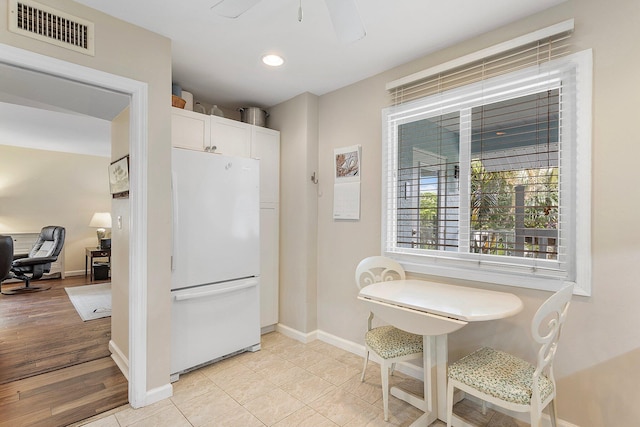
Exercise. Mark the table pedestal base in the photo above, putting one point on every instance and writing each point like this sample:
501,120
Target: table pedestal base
425,403
410,398
425,419
459,422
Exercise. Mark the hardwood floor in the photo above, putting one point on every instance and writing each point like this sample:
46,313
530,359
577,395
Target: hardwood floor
42,331
62,397
55,369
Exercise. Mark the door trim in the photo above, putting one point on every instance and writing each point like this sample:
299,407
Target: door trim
138,136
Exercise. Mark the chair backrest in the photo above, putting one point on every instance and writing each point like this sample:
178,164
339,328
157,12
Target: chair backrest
377,269
49,242
6,256
545,329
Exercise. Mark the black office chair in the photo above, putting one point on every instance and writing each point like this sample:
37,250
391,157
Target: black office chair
38,261
6,256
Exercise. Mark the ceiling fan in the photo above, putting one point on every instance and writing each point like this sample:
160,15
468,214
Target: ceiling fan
344,16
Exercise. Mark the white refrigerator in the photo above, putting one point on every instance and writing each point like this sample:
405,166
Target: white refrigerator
215,258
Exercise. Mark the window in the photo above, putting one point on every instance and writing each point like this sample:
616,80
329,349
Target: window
490,180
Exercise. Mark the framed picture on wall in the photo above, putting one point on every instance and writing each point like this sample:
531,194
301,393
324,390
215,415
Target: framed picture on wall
119,178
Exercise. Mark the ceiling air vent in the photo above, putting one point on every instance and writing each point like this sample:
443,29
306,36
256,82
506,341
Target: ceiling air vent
46,24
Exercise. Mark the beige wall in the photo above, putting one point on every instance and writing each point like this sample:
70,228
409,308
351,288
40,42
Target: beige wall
599,354
297,121
125,50
120,243
598,360
40,188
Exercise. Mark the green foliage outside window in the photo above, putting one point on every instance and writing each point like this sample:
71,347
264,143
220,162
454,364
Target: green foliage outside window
493,197
494,208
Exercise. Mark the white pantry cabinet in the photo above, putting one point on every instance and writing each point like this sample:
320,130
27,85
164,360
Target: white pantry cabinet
265,146
215,134
269,264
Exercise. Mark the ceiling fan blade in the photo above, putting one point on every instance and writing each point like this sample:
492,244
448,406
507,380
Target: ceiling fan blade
233,8
346,20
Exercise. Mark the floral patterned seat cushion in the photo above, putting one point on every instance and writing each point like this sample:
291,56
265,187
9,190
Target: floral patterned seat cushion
389,342
500,375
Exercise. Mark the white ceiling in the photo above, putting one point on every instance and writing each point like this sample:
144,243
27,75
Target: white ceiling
45,112
218,59
27,87
44,129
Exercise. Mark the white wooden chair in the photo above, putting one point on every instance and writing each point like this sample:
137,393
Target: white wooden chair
508,381
389,343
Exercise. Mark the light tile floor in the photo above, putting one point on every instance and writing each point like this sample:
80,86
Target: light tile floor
285,384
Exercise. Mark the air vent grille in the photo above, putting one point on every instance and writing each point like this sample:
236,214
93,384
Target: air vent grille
43,23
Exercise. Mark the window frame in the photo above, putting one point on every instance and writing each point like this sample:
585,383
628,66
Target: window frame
574,70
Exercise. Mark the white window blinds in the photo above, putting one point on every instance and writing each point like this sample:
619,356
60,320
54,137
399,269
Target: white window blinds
531,49
480,167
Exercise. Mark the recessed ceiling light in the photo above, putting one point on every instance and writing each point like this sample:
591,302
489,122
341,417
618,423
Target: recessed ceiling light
273,60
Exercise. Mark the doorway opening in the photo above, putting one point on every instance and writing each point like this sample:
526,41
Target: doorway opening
138,105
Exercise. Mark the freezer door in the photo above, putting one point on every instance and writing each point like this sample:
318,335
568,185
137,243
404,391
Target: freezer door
212,321
216,218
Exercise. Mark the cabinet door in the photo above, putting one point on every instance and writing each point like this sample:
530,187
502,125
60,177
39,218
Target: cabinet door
269,259
230,137
189,129
265,146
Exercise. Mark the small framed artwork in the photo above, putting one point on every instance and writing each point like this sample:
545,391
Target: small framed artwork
347,163
119,178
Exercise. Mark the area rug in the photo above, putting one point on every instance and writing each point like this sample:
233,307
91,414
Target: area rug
91,301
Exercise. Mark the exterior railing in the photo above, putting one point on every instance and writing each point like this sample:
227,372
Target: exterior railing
525,242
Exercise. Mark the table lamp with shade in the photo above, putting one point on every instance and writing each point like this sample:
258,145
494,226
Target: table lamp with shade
102,221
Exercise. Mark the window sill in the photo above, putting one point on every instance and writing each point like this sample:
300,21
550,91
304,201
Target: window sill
413,264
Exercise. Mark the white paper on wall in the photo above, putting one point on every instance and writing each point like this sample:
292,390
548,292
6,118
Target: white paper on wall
346,189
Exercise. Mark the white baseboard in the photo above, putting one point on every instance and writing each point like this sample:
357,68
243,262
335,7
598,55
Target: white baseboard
521,416
75,273
121,360
267,329
560,422
152,396
359,349
341,343
350,346
295,334
157,394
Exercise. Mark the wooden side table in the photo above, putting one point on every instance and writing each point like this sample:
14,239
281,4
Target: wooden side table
90,254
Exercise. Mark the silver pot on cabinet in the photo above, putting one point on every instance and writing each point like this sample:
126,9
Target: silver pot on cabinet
254,116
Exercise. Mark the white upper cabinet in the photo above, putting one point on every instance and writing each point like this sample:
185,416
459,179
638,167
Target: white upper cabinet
230,137
224,136
190,130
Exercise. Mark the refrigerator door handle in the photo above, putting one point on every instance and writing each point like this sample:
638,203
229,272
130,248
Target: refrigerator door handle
192,295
